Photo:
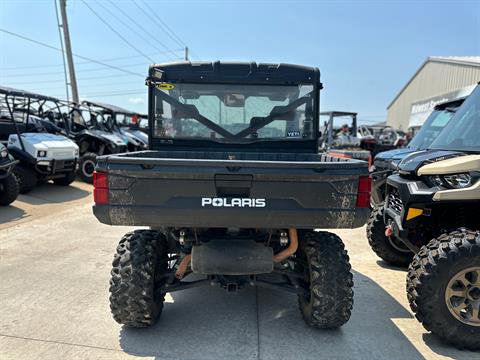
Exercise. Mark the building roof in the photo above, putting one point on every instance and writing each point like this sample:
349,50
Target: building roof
464,60
455,60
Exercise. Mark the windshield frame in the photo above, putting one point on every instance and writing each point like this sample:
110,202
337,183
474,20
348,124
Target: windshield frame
302,145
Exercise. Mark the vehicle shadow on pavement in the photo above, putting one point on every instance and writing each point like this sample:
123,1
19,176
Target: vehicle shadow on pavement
257,323
11,213
48,193
384,265
443,349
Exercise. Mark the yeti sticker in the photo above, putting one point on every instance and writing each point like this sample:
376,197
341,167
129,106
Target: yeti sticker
293,134
233,202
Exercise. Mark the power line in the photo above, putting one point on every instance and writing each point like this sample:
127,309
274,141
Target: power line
78,56
125,24
140,26
109,94
87,62
164,26
156,22
82,79
171,34
117,33
60,72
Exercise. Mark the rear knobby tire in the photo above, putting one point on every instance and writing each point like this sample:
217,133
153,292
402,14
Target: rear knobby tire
432,272
325,264
8,190
26,177
86,166
391,251
66,180
138,267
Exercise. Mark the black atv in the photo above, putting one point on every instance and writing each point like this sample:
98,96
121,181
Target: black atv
430,221
8,182
122,122
87,129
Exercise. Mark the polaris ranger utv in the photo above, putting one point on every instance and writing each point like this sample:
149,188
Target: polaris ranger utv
8,181
42,155
233,189
432,209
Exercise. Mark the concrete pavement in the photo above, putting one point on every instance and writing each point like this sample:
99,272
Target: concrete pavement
54,272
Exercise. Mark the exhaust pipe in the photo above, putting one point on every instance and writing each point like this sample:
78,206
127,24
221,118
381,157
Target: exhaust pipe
290,250
182,268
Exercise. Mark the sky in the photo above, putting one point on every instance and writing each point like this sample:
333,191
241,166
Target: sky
366,50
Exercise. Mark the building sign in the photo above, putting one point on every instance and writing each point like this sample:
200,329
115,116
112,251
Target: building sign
420,110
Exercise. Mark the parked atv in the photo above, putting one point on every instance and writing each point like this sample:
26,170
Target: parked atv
86,128
8,181
233,190
116,120
431,214
42,155
343,141
386,163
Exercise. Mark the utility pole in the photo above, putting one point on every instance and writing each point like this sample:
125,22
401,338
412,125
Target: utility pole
68,50
186,53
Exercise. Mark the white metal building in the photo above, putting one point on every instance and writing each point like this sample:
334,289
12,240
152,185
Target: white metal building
439,79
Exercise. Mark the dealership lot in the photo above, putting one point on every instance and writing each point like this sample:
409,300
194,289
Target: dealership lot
55,263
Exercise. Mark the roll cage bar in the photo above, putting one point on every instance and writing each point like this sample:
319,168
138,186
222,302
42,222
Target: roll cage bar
329,126
16,100
113,110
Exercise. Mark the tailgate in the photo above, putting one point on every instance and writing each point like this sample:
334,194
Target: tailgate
231,193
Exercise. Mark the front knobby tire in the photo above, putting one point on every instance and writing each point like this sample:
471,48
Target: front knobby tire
138,267
8,190
324,262
27,178
390,250
443,288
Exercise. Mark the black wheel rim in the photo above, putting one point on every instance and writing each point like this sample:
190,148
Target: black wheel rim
88,167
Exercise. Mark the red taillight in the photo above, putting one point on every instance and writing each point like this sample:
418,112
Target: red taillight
100,180
100,188
363,193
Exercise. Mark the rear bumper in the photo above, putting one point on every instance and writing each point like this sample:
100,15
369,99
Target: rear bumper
233,217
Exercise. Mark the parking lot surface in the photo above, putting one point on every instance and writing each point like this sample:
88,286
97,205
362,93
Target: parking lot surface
54,270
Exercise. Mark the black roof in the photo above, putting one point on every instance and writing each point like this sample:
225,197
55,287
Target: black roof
234,72
17,92
109,107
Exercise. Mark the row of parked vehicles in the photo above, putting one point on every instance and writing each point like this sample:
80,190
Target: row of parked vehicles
238,178
239,202
44,138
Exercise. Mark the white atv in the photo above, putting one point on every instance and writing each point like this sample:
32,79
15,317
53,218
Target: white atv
42,157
